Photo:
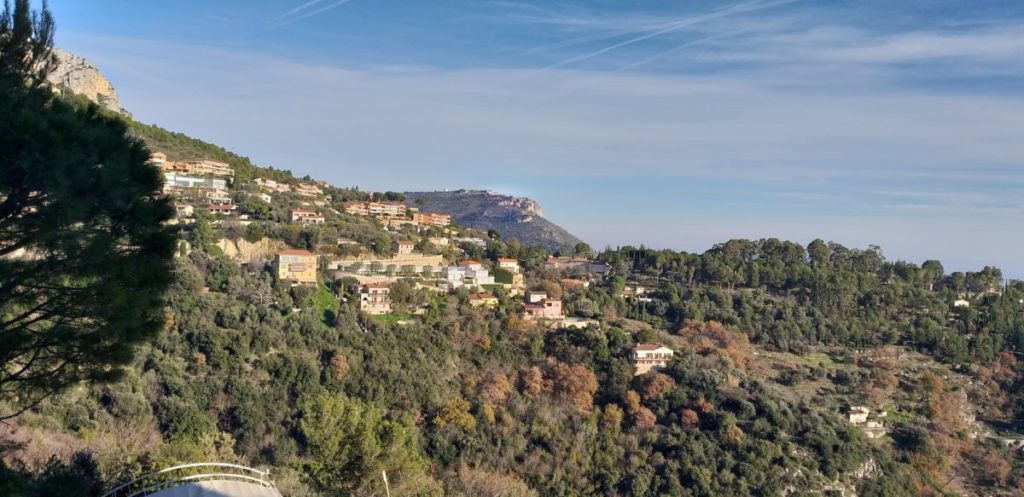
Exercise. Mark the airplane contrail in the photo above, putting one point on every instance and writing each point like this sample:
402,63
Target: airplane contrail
304,15
294,11
675,26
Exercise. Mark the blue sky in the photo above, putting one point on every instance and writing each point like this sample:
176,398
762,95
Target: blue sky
673,124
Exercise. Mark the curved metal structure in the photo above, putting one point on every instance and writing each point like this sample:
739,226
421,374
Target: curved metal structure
199,478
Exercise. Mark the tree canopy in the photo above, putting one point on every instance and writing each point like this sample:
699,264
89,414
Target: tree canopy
84,253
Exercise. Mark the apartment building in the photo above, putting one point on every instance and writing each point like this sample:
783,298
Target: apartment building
375,298
305,217
296,266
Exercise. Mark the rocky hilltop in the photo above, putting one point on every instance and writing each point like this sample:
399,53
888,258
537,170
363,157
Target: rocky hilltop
83,78
513,217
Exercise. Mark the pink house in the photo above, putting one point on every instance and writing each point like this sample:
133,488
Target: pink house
538,306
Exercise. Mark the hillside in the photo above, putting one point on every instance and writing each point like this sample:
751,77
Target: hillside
773,348
513,217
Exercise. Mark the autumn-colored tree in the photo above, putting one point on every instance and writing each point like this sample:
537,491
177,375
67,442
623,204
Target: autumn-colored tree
577,383
733,434
455,412
611,416
705,407
658,384
632,403
948,412
644,418
932,383
531,381
689,419
495,387
339,365
712,338
992,467
480,483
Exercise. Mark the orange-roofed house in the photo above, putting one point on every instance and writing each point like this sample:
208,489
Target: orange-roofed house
648,356
297,267
305,217
510,265
220,208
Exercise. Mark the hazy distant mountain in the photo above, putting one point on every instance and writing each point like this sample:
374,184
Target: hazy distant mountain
515,217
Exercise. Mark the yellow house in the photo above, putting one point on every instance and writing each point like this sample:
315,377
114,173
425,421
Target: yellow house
296,266
483,300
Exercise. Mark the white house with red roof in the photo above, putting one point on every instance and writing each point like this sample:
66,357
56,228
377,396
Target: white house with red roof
648,356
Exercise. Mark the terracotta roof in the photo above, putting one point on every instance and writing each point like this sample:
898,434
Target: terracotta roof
506,259
406,242
294,252
468,262
378,284
648,346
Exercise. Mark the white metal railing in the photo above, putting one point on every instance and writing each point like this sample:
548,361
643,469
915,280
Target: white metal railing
177,475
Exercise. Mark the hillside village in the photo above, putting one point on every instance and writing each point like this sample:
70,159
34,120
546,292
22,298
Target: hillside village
317,292
423,249
328,340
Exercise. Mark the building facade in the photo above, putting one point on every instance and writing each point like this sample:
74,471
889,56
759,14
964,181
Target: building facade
297,267
375,298
648,356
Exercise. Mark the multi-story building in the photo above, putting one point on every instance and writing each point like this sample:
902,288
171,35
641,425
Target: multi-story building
304,216
434,219
158,159
476,273
272,185
375,298
510,265
175,182
648,356
308,189
296,266
402,247
220,208
210,167
384,210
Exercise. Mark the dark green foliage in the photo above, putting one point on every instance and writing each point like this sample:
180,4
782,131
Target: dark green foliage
85,256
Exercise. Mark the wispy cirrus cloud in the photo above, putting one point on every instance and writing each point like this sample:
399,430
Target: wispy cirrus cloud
304,11
757,121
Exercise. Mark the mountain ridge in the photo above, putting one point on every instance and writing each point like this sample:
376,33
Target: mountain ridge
514,217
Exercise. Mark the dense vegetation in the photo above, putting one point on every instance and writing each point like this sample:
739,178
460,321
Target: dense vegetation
771,340
84,252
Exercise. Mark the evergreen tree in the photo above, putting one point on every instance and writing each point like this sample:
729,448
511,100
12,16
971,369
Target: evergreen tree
84,253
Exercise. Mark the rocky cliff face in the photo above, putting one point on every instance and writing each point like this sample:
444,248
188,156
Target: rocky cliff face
513,217
85,79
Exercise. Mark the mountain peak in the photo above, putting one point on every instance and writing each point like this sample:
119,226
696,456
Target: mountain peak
83,78
517,217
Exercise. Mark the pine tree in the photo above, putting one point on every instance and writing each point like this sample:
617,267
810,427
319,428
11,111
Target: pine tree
84,251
